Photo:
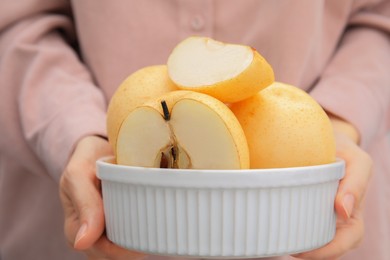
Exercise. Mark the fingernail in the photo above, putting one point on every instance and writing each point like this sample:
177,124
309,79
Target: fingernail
81,233
348,203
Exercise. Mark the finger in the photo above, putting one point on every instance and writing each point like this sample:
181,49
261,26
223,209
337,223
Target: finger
71,225
353,186
105,249
348,236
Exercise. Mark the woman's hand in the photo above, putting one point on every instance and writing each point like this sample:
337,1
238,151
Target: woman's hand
82,202
350,194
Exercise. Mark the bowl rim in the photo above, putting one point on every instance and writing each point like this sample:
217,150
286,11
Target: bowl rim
243,178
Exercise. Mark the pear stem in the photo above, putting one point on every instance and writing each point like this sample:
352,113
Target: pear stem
167,116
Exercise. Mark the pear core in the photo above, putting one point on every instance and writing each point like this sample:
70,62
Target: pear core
172,156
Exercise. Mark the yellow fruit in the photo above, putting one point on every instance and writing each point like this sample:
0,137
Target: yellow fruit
285,127
140,86
195,131
228,72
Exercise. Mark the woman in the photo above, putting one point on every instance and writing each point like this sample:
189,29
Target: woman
53,105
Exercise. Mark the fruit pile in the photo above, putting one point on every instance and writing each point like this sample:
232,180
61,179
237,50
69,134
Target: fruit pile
216,106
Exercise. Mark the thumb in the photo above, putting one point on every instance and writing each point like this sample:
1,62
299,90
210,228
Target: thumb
88,204
353,186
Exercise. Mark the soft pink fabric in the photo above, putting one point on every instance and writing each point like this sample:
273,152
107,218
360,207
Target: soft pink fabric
50,96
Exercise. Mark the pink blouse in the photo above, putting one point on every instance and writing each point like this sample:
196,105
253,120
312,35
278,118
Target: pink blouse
61,61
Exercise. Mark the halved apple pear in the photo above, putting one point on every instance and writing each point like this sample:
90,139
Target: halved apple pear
228,72
182,129
136,89
285,127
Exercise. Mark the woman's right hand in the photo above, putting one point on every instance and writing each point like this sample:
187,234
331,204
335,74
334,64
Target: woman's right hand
83,206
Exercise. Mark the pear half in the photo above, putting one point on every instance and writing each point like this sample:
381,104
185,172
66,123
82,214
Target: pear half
228,72
136,89
185,130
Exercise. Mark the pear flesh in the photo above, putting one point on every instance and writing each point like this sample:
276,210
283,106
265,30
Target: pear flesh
223,62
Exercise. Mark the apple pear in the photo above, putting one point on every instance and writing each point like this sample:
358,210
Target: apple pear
285,127
228,72
137,88
185,130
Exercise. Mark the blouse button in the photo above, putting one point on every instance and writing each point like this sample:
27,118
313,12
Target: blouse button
197,23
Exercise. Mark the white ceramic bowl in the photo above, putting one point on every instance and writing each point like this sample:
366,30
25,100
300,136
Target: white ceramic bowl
220,213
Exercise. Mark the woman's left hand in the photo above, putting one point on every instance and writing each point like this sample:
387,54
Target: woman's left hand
350,194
